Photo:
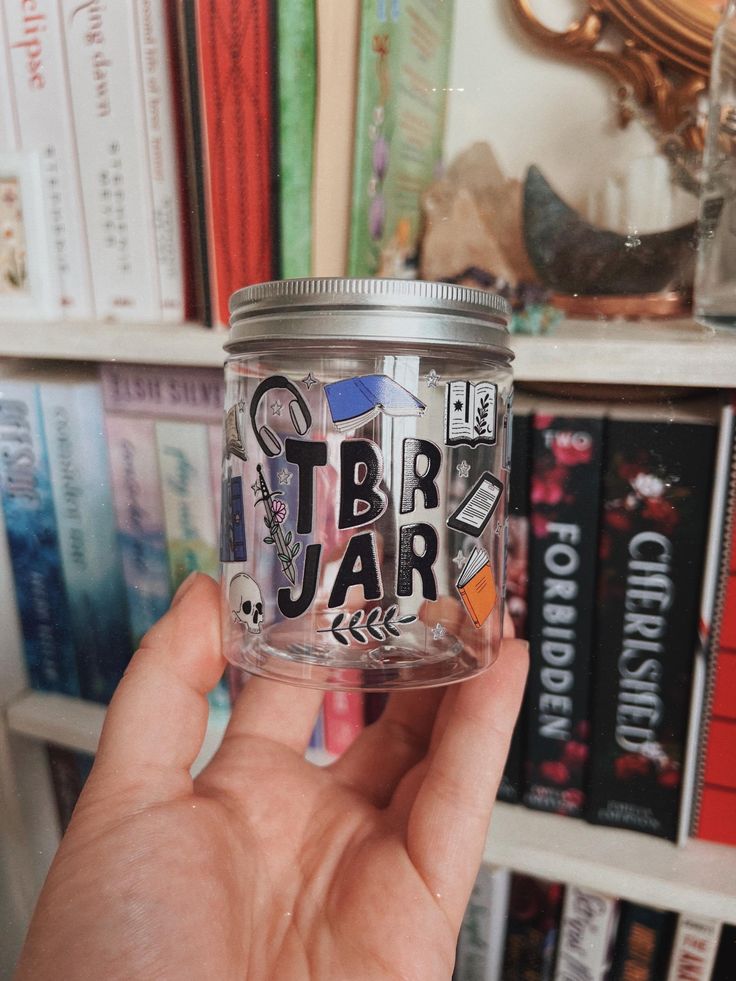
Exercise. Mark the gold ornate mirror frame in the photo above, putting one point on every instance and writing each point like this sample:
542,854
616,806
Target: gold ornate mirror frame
662,62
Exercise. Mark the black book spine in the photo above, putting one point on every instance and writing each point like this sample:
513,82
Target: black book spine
724,968
517,577
565,496
532,928
643,944
655,512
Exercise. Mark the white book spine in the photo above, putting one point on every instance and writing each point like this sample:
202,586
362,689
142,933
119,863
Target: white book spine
481,941
44,120
9,138
587,933
694,949
109,117
155,61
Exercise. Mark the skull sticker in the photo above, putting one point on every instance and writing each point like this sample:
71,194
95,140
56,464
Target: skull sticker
246,602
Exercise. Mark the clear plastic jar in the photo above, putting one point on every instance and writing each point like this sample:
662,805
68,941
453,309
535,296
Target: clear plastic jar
366,460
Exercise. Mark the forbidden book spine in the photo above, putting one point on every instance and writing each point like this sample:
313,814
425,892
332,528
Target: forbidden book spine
517,579
655,509
565,492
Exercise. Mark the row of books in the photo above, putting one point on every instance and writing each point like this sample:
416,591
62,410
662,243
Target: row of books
519,927
613,515
189,148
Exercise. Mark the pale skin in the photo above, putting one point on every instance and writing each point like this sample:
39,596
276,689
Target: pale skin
266,867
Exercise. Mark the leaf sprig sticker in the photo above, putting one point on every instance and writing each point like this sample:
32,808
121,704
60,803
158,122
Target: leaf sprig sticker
360,629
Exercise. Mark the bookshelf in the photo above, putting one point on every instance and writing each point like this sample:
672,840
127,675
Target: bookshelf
667,353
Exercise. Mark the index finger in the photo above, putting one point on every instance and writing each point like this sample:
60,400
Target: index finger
449,819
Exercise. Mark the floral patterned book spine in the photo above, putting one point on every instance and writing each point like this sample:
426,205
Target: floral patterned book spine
564,502
653,530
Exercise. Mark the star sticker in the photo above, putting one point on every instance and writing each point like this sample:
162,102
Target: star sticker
309,380
458,405
459,559
463,468
284,477
439,632
276,408
256,488
432,378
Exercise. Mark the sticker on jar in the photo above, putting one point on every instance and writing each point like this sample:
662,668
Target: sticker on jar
477,507
470,413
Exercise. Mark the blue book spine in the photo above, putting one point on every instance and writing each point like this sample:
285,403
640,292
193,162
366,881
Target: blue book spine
90,557
25,487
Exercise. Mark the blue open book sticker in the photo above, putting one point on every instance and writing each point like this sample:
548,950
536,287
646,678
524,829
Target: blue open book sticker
356,401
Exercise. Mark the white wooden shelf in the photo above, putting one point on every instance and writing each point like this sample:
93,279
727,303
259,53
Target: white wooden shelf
699,878
663,353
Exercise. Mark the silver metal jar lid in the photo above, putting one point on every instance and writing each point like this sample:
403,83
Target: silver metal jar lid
434,313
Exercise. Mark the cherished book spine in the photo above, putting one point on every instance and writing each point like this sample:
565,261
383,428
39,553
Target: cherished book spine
694,948
343,719
399,125
532,927
164,392
109,118
714,806
155,57
587,935
139,515
565,493
35,50
90,557
30,522
653,530
234,47
480,944
643,943
517,582
297,71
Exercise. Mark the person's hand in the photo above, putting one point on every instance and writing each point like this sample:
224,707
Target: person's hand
267,866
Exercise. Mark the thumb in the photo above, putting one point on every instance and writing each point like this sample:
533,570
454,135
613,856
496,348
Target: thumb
156,722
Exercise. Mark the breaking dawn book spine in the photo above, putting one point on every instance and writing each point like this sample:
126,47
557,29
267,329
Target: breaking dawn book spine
655,510
517,581
564,502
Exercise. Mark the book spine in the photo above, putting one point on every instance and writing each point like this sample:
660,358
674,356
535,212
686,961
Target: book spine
714,816
43,113
711,611
90,558
139,515
587,935
399,125
694,949
656,494
191,534
564,495
480,943
517,586
33,541
9,125
235,69
343,719
66,780
152,30
724,968
532,926
643,943
164,392
296,47
338,31
214,443
109,119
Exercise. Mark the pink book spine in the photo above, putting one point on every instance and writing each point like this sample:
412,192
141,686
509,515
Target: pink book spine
343,719
195,394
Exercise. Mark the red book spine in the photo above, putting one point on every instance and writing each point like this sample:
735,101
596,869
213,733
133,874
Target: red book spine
234,44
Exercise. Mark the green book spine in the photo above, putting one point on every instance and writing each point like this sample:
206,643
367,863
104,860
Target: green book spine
399,129
296,94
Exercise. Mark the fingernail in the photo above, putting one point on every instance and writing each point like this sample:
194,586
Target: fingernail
184,588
